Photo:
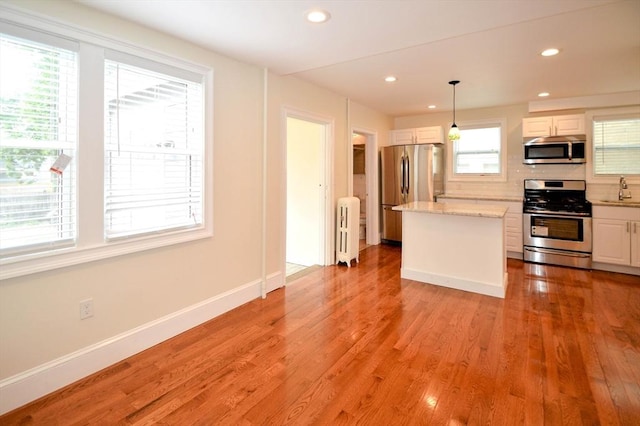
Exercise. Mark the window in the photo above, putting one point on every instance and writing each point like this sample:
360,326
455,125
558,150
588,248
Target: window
616,145
479,152
133,127
153,151
38,112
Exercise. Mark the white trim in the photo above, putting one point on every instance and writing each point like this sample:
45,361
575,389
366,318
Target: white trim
91,244
27,386
621,269
43,23
476,177
372,177
275,281
457,283
584,102
265,178
46,261
604,113
329,147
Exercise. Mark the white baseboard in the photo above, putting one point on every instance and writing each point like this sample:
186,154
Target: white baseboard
32,384
621,269
275,281
457,283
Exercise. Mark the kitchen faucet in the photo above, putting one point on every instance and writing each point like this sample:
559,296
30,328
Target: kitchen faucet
621,187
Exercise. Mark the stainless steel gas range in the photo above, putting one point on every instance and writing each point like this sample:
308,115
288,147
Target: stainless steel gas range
557,223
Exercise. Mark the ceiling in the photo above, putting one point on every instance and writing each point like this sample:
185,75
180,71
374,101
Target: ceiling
491,46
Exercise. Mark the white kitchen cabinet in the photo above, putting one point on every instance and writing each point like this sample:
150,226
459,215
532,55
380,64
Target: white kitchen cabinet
616,235
559,125
433,134
513,220
635,243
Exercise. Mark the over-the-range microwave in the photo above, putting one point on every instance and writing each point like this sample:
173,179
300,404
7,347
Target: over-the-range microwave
555,150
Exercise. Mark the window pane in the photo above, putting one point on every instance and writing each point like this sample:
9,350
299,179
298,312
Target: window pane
38,120
477,151
616,144
154,151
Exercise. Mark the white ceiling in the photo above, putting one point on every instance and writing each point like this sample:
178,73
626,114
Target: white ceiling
492,46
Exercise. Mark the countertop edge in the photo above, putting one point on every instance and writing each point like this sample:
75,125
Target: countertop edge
496,212
628,204
513,199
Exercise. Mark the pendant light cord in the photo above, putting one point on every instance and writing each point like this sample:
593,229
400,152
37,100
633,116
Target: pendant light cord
454,103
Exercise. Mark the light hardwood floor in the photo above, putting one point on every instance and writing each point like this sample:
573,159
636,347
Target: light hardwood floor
360,345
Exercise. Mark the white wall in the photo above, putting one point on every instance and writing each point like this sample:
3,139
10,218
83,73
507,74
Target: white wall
294,94
40,329
39,312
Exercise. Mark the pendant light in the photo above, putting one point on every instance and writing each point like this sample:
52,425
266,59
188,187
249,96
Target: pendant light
454,132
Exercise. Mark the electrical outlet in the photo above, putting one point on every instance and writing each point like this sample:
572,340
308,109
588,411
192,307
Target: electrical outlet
86,308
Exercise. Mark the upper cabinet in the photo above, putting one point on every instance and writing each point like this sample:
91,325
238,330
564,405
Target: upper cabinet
559,125
418,135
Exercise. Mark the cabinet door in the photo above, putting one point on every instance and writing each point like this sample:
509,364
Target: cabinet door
402,137
537,126
635,243
429,134
569,125
611,241
513,227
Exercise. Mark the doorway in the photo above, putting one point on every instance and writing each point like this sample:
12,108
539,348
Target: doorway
364,184
306,193
359,176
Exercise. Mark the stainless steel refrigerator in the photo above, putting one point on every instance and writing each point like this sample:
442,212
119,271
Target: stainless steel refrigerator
409,173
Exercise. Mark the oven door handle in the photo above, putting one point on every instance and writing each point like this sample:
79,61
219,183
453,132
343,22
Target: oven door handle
561,215
547,251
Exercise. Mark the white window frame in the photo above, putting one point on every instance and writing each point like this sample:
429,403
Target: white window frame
480,177
91,244
591,177
67,146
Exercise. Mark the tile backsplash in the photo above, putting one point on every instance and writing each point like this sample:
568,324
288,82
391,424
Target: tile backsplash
518,172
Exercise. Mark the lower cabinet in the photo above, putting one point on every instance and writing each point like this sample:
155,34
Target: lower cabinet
513,221
616,238
616,241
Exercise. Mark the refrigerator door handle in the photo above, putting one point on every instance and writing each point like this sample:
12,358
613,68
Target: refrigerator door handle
408,175
402,173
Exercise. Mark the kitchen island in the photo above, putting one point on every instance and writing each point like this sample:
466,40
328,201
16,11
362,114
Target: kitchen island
460,246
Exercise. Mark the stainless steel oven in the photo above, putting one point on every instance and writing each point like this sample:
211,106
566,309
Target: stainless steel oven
557,223
563,240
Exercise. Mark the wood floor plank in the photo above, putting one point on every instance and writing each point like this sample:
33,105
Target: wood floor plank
360,345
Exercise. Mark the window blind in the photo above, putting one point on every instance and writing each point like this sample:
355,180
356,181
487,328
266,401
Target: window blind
38,122
153,151
616,146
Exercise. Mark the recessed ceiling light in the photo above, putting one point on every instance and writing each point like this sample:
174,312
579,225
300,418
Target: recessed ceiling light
318,16
390,79
550,52
543,94
431,107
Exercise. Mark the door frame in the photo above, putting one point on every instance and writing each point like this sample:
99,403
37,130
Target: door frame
372,180
328,206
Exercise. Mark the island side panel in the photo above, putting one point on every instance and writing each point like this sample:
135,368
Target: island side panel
462,252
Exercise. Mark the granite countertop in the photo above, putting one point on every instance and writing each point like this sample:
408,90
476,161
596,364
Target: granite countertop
483,197
453,209
616,203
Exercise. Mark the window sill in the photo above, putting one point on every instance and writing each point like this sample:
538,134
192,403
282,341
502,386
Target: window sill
50,260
